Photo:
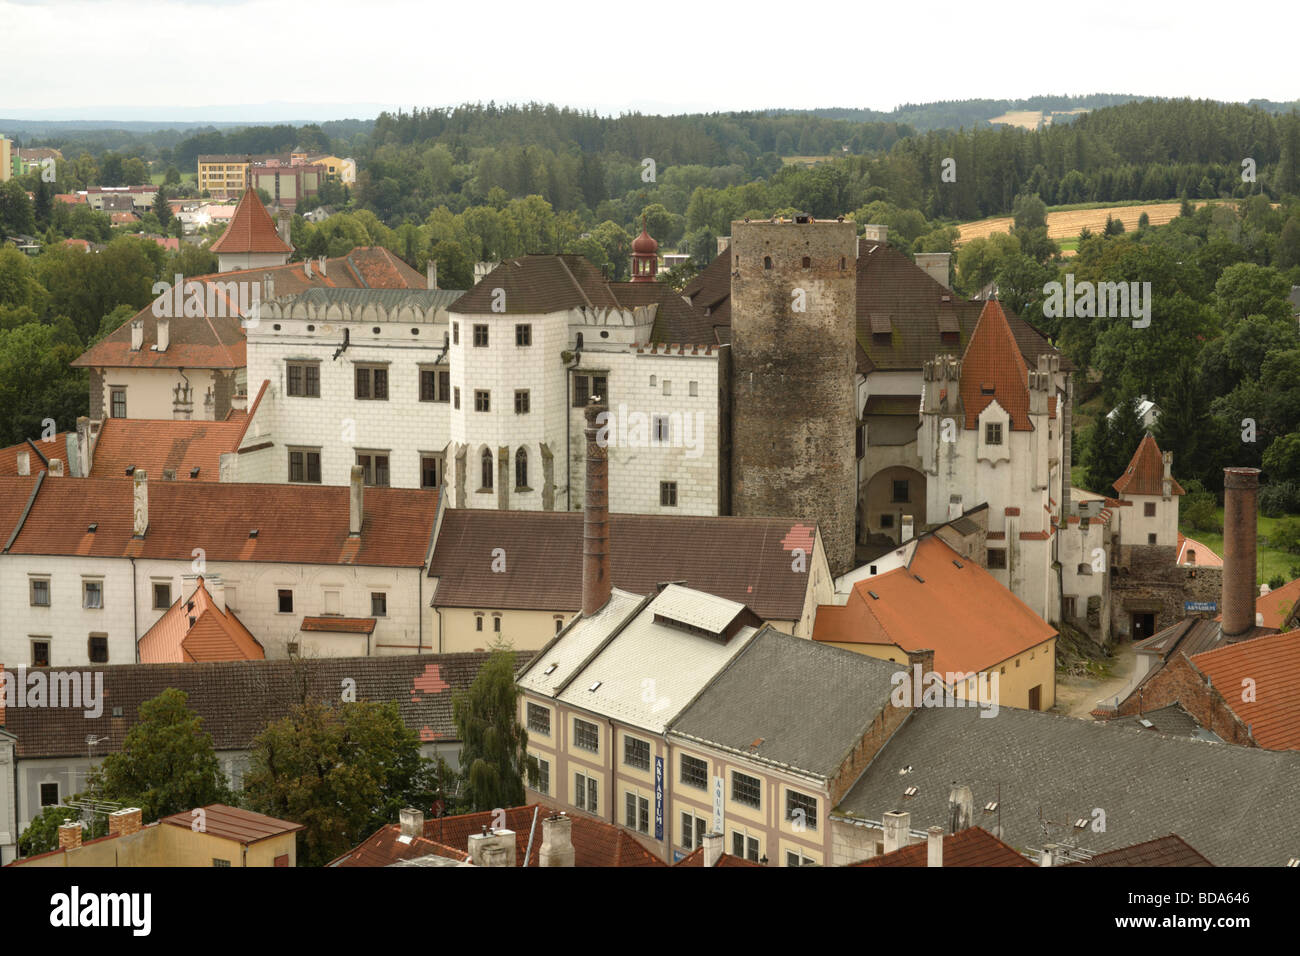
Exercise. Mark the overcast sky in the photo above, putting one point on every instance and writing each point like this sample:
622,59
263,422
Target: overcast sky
254,59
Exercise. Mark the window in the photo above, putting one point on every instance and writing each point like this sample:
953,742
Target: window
745,847
795,801
993,433
668,387
482,400
118,401
455,333
543,776
807,262
521,470
378,604
523,335
638,813
285,596
162,596
97,649
49,794
585,793
695,772
997,557
302,379
92,594
539,719
521,401
767,262
585,386
559,625
431,471
1068,609
663,429
40,592
215,861
746,789
435,385
372,382
1149,509
1151,538
456,396
668,494
496,623
304,465
586,735
41,652
636,753
375,467
886,521
793,858
485,463
694,388
901,492
693,830
478,622
480,336
332,602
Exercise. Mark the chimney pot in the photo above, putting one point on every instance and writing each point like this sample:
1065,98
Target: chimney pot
70,835
596,584
934,847
164,334
125,822
897,825
140,509
56,467
137,334
712,848
411,821
557,842
24,463
355,500
431,274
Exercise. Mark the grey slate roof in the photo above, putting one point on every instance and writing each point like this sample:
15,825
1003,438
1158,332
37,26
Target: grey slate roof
1168,720
1236,805
388,298
809,703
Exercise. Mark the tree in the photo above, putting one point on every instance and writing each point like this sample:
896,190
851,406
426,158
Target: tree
342,771
42,834
162,209
494,751
172,177
1029,212
1199,508
15,209
1282,460
455,267
36,381
167,763
1112,444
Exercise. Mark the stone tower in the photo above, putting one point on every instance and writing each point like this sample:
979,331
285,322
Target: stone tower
793,335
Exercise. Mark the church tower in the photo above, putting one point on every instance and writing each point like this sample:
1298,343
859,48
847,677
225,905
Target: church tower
645,256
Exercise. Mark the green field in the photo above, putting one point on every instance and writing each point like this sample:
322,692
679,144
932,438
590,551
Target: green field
1271,561
157,178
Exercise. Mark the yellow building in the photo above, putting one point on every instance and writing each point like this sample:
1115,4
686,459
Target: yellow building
215,835
224,177
6,159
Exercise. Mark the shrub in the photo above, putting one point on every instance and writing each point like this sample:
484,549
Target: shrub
1279,498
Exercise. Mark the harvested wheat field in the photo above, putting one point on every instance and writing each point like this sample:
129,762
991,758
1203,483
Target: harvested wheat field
1069,223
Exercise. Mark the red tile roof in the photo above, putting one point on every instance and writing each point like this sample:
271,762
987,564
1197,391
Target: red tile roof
39,453
973,846
231,823
251,229
696,858
936,614
15,493
1266,670
296,524
1192,552
595,842
1170,850
155,445
1279,605
339,625
1145,472
544,571
195,629
993,369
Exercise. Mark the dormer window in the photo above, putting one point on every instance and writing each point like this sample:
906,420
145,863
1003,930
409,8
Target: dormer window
993,433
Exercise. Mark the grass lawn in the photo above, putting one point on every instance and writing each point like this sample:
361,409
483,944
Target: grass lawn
157,178
1270,561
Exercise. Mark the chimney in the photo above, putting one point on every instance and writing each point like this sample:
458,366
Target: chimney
70,835
164,334
1240,487
125,822
935,265
724,243
557,841
182,402
137,334
907,529
306,268
431,272
216,589
356,499
934,846
1167,482
282,227
492,848
411,821
712,848
24,463
1047,857
875,233
56,467
961,808
595,525
140,509
897,825
268,285
86,441
320,266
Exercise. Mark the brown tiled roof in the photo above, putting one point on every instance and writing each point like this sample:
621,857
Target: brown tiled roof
236,699
15,492
914,614
154,445
296,524
696,858
993,369
1279,605
251,229
1170,850
1145,472
195,629
339,625
595,843
1273,665
676,320
39,453
544,559
231,823
973,846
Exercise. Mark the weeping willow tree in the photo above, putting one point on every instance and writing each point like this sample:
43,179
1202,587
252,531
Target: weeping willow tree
494,754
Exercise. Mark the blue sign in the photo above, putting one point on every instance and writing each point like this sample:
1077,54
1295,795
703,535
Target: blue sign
659,798
1200,606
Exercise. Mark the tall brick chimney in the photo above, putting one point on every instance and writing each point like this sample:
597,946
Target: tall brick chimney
595,523
1240,490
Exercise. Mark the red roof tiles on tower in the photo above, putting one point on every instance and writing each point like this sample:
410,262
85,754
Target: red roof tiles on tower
1145,472
993,369
251,229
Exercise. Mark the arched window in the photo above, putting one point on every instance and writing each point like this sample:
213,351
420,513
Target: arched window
487,469
521,469
807,262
